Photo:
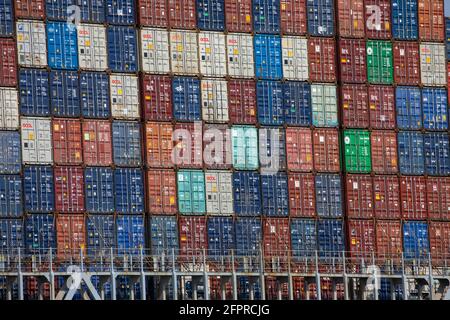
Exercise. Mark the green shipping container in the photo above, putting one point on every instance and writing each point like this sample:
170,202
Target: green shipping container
245,147
357,151
191,192
380,66
324,105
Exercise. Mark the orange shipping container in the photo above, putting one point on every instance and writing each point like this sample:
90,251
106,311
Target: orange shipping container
326,150
159,144
70,235
431,20
389,238
384,152
440,242
387,197
67,147
162,191
351,18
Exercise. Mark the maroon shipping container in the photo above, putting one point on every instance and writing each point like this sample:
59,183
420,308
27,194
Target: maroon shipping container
382,107
276,237
355,107
326,150
29,9
157,98
321,57
67,148
70,235
438,198
159,144
359,196
238,15
362,240
97,143
8,68
389,238
384,151
414,198
188,145
386,191
406,63
378,19
193,235
448,79
162,191
352,59
299,152
153,13
302,196
431,20
350,17
213,157
242,101
69,189
182,14
439,241
293,17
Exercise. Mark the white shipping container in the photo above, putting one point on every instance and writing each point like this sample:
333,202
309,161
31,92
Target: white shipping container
92,48
219,192
433,64
295,58
213,61
31,43
124,96
9,109
324,105
214,100
36,141
184,52
155,50
240,55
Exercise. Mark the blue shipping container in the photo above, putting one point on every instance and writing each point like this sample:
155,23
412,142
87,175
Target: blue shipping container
268,58
220,236
409,108
129,191
415,240
275,197
270,102
436,150
100,234
34,92
126,143
320,17
411,153
297,103
404,19
303,237
186,99
39,233
211,15
39,189
6,18
248,236
328,195
447,36
99,190
90,10
94,92
163,235
266,16
268,149
121,12
11,234
11,196
130,234
247,193
434,106
11,155
330,238
65,93
62,46
122,49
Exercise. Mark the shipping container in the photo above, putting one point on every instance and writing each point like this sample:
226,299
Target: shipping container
210,14
431,20
357,151
269,95
415,240
40,233
99,190
434,106
409,108
350,17
276,237
436,147
405,20
274,193
69,189
159,144
329,197
238,17
130,234
299,148
386,193
378,19
380,66
297,103
240,55
156,97
220,236
432,64
245,147
382,107
36,141
183,51
295,58
92,47
8,73
162,191
97,143
303,237
124,96
126,143
321,59
129,191
293,19
10,157
39,189
248,236
447,36
31,43
11,204
247,193
7,19
70,236
153,13
320,15
362,241
439,241
186,99
268,56
326,148
330,237
266,16
272,149
182,14
438,198
388,238
413,195
354,106
302,197
95,96
163,235
217,146
188,145
122,49
34,92
89,10
406,63
62,46
191,192
193,236
67,147
352,59
242,101
359,196
324,105
64,93
154,45
32,9
11,235
214,100
411,154
384,152
219,192
120,12
100,235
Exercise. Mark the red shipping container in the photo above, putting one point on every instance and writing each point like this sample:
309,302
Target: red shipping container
350,17
97,143
439,242
431,20
213,158
242,101
8,68
326,150
321,57
414,198
386,190
384,152
352,59
69,189
70,235
193,235
67,148
162,191
182,14
302,195
362,242
359,196
29,9
438,198
382,107
406,63
354,104
239,17
293,17
159,144
389,239
188,147
157,98
448,80
378,19
153,13
276,237
299,152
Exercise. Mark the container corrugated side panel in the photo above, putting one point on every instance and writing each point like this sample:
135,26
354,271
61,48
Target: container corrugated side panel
303,237
380,64
352,57
214,100
129,191
161,192
69,189
184,52
94,93
405,19
413,197
99,190
10,157
245,147
438,198
8,73
293,17
120,12
97,143
242,101
434,106
186,99
362,238
153,13
92,47
326,150
269,95
324,105
154,45
247,193
295,58
124,96
6,18
220,236
389,237
126,143
11,196
276,238
65,93
31,43
350,17
415,240
123,53
384,152
275,198
386,197
158,144
299,147
297,103
354,106
11,234
240,55
212,54
211,14
266,16
409,108
239,16
431,20
67,147
329,198
70,235
39,189
302,197
437,154
36,141
163,235
357,151
100,234
359,196
219,192
411,153
268,56
39,233
130,234
193,235
433,64
191,192
320,15
439,241
34,92
382,107
406,63
156,97
62,46
30,9
248,236
330,237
